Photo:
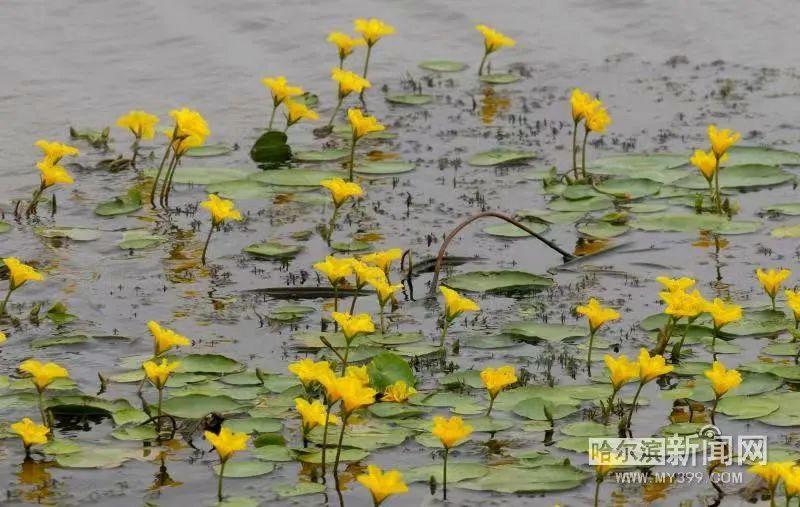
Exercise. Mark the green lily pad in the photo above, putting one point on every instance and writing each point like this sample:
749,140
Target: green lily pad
548,332
196,406
210,150
129,416
500,156
787,208
758,323
296,177
204,175
693,223
253,425
387,368
631,188
787,231
587,429
73,233
4,227
351,246
395,410
552,217
633,164
493,341
583,205
242,190
471,378
288,313
329,155
140,239
209,363
247,468
507,230
645,207
602,230
42,343
746,155
134,432
747,407
120,205
270,148
497,281
500,78
510,479
543,410
97,457
443,65
273,250
60,446
347,455
273,452
788,413
384,167
299,489
456,472
739,176
410,100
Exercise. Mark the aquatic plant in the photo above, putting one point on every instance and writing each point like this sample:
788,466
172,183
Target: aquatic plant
42,375
158,374
280,91
345,44
30,433
495,379
722,381
372,30
51,172
19,273
450,432
347,82
142,125
382,485
220,210
360,126
340,191
492,41
771,281
596,315
454,305
227,443
650,368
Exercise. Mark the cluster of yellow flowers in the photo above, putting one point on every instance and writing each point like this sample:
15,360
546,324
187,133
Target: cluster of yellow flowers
41,375
282,93
708,163
776,472
492,41
595,118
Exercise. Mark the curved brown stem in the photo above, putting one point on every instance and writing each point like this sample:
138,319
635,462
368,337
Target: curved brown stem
440,256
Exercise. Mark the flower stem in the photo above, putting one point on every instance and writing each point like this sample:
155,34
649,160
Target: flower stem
444,333
5,302
205,247
597,492
352,157
444,472
491,405
167,188
583,153
575,148
336,109
339,449
219,483
635,400
366,67
483,61
34,201
383,327
272,116
332,225
161,168
42,413
158,412
591,345
325,436
135,149
716,186
714,410
353,302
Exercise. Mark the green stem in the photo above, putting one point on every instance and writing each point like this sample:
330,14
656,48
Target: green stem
772,497
716,186
346,354
336,109
42,413
444,472
332,224
219,483
135,151
491,405
575,148
328,406
714,340
483,61
34,201
583,153
158,411
205,247
383,328
714,410
635,400
5,301
591,345
339,449
676,350
272,116
161,167
444,333
366,67
353,302
597,492
166,190
352,156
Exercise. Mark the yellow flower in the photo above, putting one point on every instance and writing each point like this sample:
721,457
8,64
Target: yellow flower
364,273
722,379
372,29
2,337
450,431
20,273
597,118
723,313
621,370
771,280
313,414
597,314
384,289
706,163
772,473
793,302
158,374
455,304
165,339
383,259
227,442
335,269
349,82
398,392
362,125
791,480
354,394
43,374
358,372
650,368
53,174
354,325
682,304
606,462
341,190
181,144
495,379
30,432
220,209
674,284
190,124
140,123
580,102
280,89
382,485
296,111
721,140
494,40
309,371
53,151
344,43
330,382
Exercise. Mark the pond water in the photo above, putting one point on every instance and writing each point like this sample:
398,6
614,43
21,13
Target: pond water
664,72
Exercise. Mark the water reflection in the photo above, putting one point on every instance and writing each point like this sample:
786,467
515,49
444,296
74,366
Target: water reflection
493,104
36,484
162,477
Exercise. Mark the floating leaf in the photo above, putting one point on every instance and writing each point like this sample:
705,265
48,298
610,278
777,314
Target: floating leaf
633,164
456,472
410,100
496,341
246,468
271,147
497,281
500,78
204,175
299,489
273,453
747,407
209,150
543,410
512,231
787,231
602,230
548,332
583,205
758,323
500,156
746,155
443,65
787,208
788,413
296,177
351,246
41,343
329,155
587,429
395,410
509,479
73,233
243,189
273,250
347,455
135,432
630,188
97,457
196,406
739,176
209,363
693,223
253,425
120,205
139,239
4,227
552,217
387,368
384,167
